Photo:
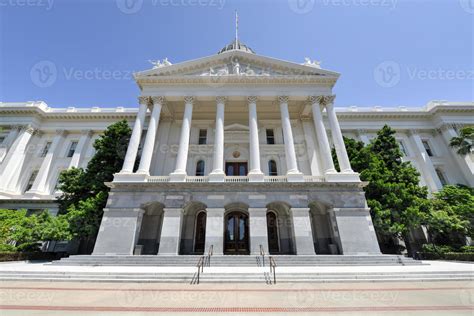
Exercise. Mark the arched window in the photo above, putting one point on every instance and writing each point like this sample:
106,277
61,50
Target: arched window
200,168
272,168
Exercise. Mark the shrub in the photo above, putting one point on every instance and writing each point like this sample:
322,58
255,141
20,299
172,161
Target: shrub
460,256
20,256
467,249
441,249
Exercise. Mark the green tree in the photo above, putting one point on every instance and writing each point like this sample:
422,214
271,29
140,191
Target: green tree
20,232
84,191
396,200
463,142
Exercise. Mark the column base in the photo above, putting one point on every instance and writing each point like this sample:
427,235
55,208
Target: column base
130,177
178,176
342,177
295,176
218,176
256,176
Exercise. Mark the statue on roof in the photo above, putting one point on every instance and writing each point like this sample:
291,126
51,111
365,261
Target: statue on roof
314,63
160,63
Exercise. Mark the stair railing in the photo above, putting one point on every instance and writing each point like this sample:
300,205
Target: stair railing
272,268
209,255
262,254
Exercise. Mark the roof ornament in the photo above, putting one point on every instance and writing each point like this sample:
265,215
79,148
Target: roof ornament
236,27
315,63
160,63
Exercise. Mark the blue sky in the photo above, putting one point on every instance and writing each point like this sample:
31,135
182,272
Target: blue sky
389,52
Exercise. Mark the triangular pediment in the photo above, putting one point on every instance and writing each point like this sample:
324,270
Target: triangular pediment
235,64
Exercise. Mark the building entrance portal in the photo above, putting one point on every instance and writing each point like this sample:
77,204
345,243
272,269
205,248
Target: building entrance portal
236,239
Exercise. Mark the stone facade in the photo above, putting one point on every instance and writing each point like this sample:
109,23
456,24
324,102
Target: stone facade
233,152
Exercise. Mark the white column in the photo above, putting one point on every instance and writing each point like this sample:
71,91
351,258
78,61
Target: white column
293,174
12,135
39,186
14,158
217,174
302,231
179,174
76,157
258,230
337,138
465,163
215,230
132,149
148,148
171,231
425,163
255,173
322,136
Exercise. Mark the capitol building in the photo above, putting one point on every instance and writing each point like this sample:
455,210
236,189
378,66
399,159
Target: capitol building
231,151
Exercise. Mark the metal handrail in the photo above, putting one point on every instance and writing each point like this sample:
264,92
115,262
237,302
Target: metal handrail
200,268
272,268
209,255
262,254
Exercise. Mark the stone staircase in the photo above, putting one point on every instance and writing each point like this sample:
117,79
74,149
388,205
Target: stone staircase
239,261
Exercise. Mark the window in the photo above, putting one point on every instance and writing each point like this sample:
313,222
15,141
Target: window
45,149
200,168
270,137
31,180
427,148
272,168
402,148
72,149
2,138
441,177
202,136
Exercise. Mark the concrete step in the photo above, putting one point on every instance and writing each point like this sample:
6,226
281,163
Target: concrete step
318,260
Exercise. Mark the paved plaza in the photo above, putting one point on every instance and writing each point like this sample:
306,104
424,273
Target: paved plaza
387,298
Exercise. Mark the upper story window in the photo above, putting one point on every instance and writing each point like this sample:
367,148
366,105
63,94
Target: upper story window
45,149
272,168
402,148
200,168
202,137
72,149
441,176
2,138
31,180
270,137
427,147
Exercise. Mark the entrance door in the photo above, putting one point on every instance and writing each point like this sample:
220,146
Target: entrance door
236,240
272,231
236,168
200,233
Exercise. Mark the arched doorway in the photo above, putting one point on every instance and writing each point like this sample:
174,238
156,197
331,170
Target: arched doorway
272,232
236,238
200,233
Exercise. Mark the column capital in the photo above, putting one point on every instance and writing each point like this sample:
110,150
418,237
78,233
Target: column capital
221,99
158,100
283,98
61,132
144,100
189,99
87,132
252,99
